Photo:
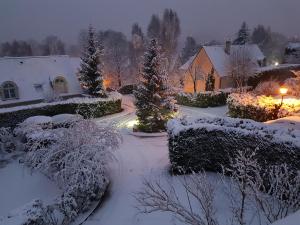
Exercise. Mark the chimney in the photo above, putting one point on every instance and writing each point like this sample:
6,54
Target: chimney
227,47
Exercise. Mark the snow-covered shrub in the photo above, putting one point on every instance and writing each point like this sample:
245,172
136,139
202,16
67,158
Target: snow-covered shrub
276,191
76,160
127,89
7,143
33,213
267,88
260,108
65,120
208,143
293,85
87,107
203,99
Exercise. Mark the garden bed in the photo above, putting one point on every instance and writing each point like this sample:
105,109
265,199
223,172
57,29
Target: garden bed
87,107
261,108
208,143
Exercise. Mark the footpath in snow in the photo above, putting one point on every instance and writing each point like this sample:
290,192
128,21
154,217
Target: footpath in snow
137,158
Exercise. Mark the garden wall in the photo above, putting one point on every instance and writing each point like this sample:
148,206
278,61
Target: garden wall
208,143
96,107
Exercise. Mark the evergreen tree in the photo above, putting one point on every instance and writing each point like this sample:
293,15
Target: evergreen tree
154,28
170,31
261,35
190,49
136,49
243,36
91,76
210,82
153,100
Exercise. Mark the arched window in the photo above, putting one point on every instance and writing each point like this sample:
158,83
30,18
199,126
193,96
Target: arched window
9,90
60,85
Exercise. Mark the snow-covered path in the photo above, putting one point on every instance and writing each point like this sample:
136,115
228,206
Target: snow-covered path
137,158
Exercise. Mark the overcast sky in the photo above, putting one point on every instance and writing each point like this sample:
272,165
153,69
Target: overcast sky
204,19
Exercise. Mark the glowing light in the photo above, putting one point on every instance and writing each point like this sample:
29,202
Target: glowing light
276,63
283,91
131,124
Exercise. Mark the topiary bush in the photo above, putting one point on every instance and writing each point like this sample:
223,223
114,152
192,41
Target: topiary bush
87,107
209,143
203,99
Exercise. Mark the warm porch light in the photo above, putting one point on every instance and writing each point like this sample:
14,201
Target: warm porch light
283,91
276,63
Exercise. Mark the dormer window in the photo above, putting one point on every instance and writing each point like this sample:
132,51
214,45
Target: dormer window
60,85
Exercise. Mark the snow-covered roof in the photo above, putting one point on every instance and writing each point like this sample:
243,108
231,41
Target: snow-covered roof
220,59
29,72
278,67
293,45
186,65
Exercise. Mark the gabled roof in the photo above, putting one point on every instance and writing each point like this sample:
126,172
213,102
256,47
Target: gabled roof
186,65
220,59
27,72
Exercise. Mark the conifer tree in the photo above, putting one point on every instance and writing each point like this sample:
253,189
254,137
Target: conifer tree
153,100
210,82
90,74
243,36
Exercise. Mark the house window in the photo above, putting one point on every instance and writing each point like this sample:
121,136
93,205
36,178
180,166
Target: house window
9,90
60,85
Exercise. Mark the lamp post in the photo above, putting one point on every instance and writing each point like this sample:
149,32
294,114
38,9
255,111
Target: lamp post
283,91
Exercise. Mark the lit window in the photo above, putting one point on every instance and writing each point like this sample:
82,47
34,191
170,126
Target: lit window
60,85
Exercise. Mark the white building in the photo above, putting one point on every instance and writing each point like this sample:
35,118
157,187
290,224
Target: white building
25,80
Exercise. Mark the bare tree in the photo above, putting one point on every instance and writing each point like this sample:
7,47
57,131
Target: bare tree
195,73
276,192
240,67
241,170
198,190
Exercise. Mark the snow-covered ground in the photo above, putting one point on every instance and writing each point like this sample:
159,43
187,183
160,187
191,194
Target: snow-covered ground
19,186
137,158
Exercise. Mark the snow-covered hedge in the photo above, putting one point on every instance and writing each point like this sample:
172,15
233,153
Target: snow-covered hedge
208,143
203,99
75,158
260,107
127,89
85,106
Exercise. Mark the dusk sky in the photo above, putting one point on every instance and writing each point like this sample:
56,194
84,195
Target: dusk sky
204,19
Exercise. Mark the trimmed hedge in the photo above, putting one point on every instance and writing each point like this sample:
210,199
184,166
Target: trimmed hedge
203,99
208,143
259,108
96,107
127,89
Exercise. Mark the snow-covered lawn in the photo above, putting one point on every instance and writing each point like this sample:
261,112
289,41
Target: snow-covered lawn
138,158
19,186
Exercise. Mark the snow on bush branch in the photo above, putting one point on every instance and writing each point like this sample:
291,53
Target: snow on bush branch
76,159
